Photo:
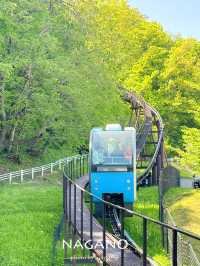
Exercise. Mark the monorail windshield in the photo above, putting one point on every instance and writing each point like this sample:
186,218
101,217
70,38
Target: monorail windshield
112,148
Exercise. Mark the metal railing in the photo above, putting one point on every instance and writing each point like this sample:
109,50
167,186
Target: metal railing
35,171
74,193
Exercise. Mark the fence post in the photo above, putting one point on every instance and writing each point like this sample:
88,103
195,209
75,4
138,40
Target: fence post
80,165
104,233
158,168
75,226
154,174
83,165
60,164
42,171
174,248
82,217
87,160
161,208
75,168
22,176
144,241
162,153
32,173
64,194
91,220
122,236
10,178
70,202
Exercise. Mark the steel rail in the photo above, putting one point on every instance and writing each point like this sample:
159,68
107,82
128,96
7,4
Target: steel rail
132,244
132,98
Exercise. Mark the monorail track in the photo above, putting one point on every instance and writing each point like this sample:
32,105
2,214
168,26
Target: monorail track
116,228
132,255
113,254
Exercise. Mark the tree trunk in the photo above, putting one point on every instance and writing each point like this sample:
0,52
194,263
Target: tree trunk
3,113
12,137
50,6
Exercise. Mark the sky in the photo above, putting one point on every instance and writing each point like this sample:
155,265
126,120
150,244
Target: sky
176,16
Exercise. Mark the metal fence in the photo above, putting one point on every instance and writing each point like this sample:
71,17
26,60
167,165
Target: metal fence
81,219
36,171
186,255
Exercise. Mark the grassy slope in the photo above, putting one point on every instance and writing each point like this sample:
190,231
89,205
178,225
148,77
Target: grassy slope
184,205
28,216
147,203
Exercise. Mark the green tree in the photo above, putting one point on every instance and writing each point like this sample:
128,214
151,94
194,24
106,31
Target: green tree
190,154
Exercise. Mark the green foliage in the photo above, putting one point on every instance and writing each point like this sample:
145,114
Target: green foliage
145,74
143,58
61,64
168,79
190,155
52,88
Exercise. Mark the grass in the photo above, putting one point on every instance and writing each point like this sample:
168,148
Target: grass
147,203
184,206
28,216
29,213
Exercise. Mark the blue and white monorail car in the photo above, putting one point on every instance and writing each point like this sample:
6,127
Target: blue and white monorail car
112,154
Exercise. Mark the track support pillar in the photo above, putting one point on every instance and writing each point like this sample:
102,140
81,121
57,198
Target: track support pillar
154,174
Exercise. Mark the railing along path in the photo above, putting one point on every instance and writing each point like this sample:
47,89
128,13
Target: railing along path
89,229
33,172
78,211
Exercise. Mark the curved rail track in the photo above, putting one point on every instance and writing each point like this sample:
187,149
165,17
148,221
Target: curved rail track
131,255
79,215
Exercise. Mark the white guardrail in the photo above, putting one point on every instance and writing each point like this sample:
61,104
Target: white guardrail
37,171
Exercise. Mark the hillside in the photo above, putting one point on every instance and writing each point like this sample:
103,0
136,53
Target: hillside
62,63
52,89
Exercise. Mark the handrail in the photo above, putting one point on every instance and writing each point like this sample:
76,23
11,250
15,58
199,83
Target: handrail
177,229
35,170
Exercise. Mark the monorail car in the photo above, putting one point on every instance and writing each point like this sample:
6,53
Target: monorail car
112,159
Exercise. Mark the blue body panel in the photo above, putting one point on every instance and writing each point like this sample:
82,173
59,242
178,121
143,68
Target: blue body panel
113,182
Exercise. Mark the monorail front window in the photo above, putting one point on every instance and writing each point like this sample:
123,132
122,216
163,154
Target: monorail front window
112,148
